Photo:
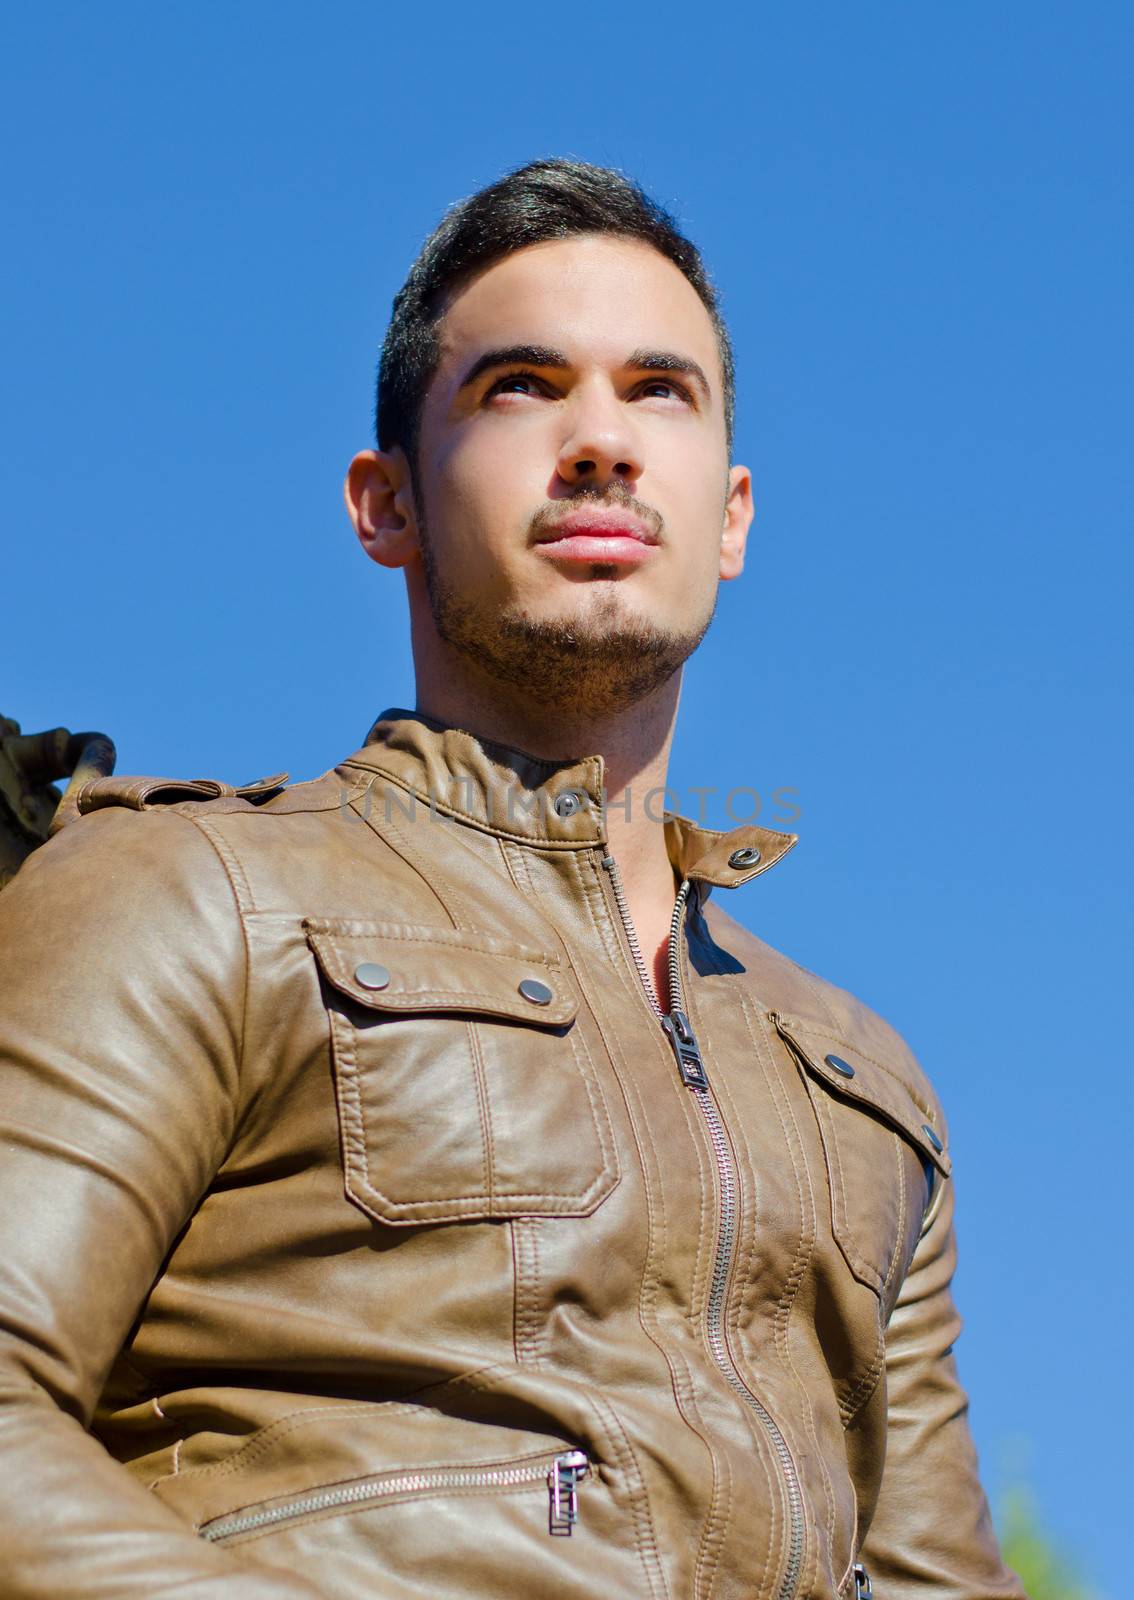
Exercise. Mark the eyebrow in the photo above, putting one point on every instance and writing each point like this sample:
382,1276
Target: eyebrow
513,355
539,355
669,361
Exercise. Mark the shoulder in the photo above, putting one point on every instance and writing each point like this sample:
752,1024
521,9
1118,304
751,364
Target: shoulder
820,1018
116,869
200,798
196,846
131,847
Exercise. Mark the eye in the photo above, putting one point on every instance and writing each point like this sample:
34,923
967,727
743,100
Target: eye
664,389
516,383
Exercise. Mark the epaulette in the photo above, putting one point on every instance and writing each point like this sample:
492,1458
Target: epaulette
146,793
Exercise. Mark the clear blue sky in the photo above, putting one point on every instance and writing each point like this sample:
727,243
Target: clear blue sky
920,219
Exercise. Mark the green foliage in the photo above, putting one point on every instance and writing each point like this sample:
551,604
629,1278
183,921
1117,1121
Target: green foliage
1045,1572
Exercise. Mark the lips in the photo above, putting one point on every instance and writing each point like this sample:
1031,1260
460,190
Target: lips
598,522
606,535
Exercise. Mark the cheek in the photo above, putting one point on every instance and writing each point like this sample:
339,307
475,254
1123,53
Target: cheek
491,476
479,499
694,511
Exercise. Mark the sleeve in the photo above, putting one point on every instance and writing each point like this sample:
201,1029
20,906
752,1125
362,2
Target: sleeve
931,1537
122,966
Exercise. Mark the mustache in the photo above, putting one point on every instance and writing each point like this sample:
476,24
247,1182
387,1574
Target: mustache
611,494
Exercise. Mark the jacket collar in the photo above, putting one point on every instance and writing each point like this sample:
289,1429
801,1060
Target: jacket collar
555,804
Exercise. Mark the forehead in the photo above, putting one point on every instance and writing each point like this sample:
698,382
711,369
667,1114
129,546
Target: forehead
593,297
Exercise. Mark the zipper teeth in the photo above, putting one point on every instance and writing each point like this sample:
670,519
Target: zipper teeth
632,933
714,1318
726,1236
673,949
372,1489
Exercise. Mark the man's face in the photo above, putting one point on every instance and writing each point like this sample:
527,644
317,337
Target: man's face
574,506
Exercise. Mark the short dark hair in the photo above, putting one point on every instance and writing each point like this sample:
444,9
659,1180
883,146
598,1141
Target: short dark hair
553,199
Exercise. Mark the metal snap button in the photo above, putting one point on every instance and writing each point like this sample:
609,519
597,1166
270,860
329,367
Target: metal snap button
932,1137
747,856
538,993
370,975
567,803
842,1067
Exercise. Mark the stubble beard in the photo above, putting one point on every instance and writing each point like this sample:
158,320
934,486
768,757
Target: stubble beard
599,662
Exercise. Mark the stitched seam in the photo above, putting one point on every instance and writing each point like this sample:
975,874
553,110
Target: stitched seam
515,1236
526,1302
899,1150
234,875
394,839
547,763
600,1116
836,1182
313,807
804,1249
845,1232
840,1217
446,808
458,906
465,1204
626,1461
878,1100
708,1216
844,1582
418,999
516,1233
537,1327
858,1396
715,1527
366,930
516,864
730,1325
712,1547
815,984
480,1088
855,1048
745,1256
352,1128
242,892
540,1336
265,1439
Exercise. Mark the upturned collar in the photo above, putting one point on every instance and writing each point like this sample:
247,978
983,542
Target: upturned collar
554,804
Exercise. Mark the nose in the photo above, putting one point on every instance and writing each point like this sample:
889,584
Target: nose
601,442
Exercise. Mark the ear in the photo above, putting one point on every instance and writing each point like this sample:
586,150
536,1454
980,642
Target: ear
379,498
737,521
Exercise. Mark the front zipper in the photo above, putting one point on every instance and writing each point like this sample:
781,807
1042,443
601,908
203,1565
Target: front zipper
563,1477
691,1067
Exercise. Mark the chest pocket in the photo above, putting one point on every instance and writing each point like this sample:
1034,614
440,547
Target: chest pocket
465,1086
884,1150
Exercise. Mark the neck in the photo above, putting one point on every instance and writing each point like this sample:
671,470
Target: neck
633,741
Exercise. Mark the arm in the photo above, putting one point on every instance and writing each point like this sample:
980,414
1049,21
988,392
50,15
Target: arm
931,1535
122,965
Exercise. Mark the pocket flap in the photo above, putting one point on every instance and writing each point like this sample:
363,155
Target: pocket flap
399,967
858,1077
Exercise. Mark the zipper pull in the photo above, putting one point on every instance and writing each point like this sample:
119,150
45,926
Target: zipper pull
685,1048
563,1491
863,1588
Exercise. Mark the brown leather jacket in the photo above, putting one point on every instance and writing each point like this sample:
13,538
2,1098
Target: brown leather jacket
367,1233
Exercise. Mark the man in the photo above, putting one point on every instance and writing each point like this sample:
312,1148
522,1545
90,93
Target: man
415,1184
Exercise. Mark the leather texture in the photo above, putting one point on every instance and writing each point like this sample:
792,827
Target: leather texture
313,1272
